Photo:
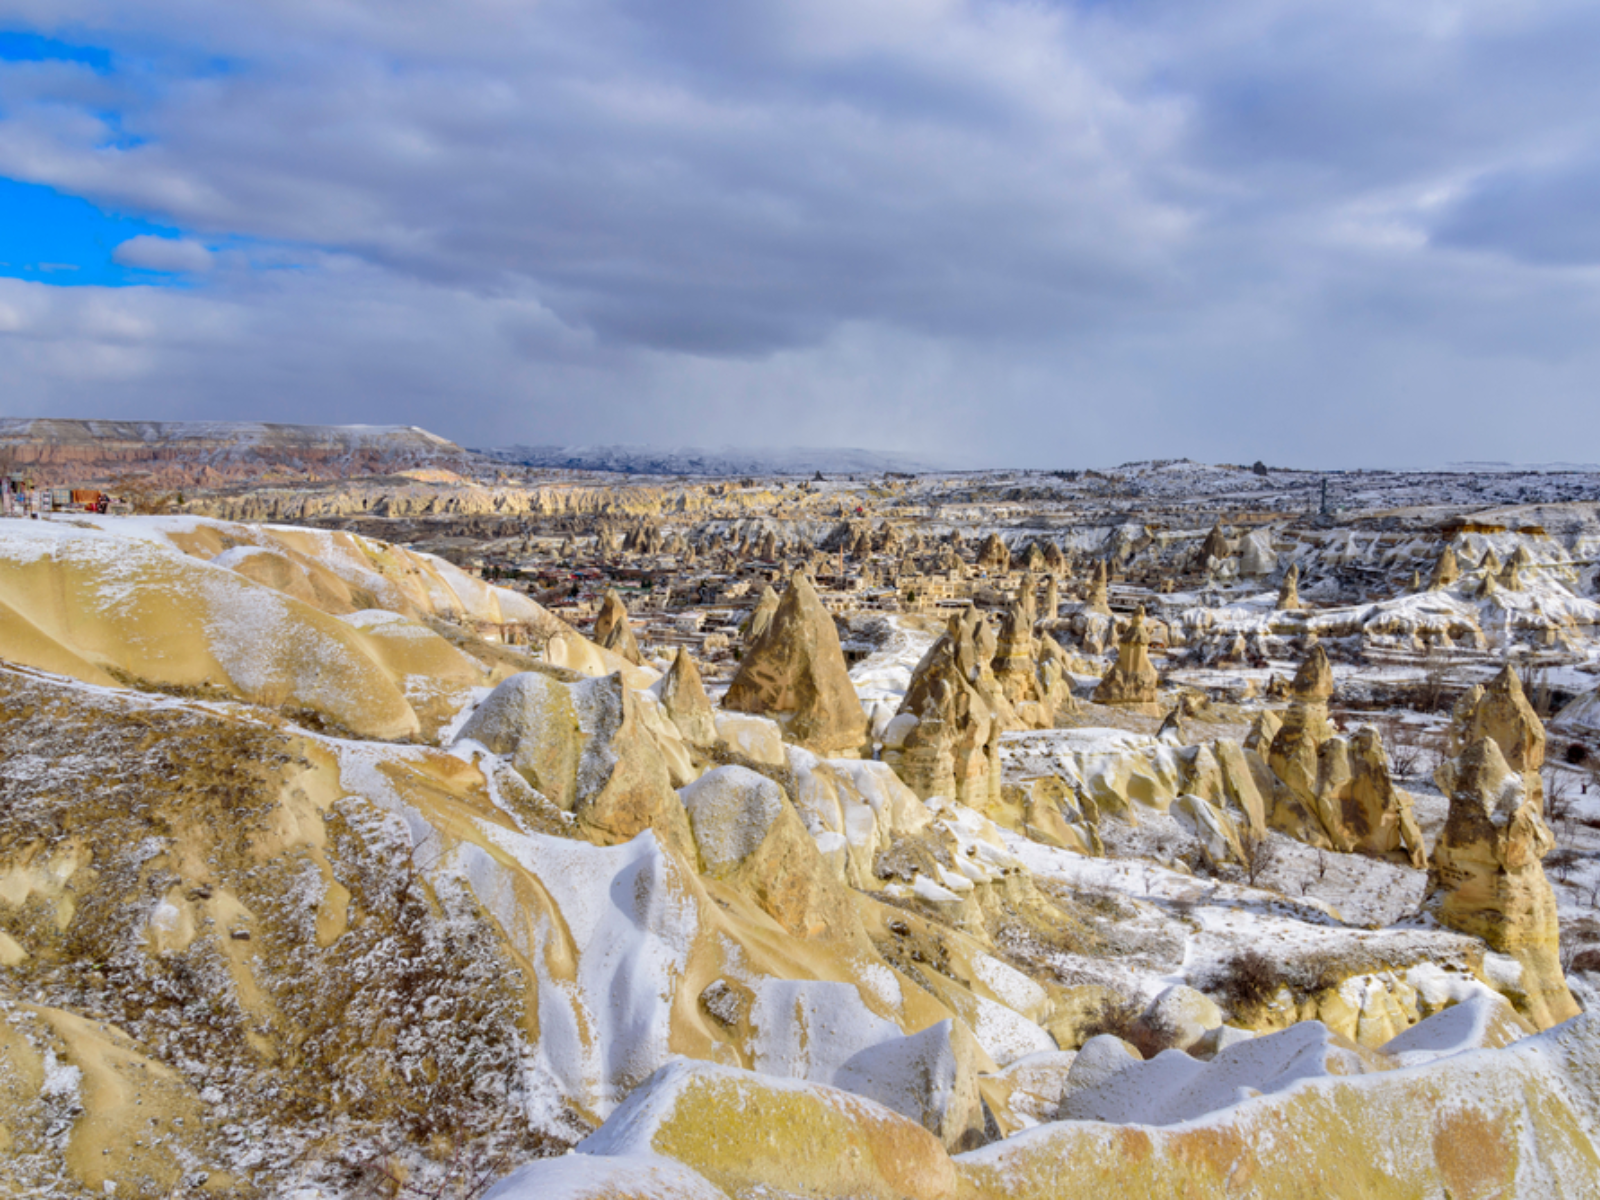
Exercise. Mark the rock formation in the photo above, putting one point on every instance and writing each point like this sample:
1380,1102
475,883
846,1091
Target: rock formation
612,631
1015,650
1446,571
587,748
1486,879
1501,711
795,672
1376,817
683,696
993,555
1098,598
1216,546
1289,592
945,740
1132,681
761,616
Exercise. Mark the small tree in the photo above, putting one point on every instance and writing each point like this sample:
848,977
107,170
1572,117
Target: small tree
1260,854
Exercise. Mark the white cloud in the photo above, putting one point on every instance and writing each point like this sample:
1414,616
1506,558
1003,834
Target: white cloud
1026,228
150,253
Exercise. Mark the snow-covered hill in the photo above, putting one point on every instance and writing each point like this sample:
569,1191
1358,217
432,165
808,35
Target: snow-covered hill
719,461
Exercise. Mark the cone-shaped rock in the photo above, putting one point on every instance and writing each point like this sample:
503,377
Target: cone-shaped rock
1446,571
1377,816
993,555
945,740
1098,600
1215,546
1501,711
1293,753
612,631
761,617
683,695
795,672
1132,680
1486,878
1014,653
1289,592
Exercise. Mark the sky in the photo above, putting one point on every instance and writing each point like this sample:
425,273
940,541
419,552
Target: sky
1316,233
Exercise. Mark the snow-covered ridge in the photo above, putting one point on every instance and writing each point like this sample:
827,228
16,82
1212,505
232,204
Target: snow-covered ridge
718,461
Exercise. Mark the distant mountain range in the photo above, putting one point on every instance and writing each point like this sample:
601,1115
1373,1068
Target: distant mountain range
178,453
722,461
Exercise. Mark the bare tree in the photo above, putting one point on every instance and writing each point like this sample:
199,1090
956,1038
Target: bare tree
1259,852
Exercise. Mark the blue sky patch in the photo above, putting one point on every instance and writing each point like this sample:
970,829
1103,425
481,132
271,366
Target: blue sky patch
30,47
49,237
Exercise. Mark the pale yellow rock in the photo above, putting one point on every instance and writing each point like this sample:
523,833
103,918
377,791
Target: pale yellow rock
683,696
1289,592
612,631
1502,712
1446,571
761,616
948,737
745,1132
1098,598
758,739
1294,752
795,673
993,555
1014,668
748,834
1376,815
1485,877
1132,681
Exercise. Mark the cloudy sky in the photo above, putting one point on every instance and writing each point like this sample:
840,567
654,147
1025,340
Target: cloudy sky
1316,232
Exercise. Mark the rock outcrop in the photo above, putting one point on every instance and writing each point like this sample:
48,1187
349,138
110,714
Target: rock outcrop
1098,597
1132,681
1293,753
1376,818
795,673
761,616
1289,591
612,631
1501,711
945,740
1015,650
993,554
1485,878
589,750
684,699
1446,571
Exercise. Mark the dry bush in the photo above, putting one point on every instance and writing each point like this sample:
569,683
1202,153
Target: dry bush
1247,980
1115,1015
1260,854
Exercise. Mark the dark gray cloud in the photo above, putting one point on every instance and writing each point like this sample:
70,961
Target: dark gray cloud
1021,231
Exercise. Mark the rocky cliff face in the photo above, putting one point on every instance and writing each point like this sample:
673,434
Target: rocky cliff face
215,453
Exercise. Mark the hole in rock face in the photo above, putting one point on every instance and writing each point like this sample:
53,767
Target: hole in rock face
1576,754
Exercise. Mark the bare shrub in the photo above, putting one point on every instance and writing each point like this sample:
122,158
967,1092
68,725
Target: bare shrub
1115,1015
1560,863
1247,980
1557,795
1260,854
1429,695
